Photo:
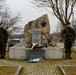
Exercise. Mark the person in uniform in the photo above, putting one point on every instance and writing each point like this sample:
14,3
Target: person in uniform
68,35
3,40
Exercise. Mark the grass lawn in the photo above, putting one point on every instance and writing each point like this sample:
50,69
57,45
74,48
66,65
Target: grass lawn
8,70
69,70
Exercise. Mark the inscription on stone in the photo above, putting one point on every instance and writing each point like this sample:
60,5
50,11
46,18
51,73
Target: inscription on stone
35,53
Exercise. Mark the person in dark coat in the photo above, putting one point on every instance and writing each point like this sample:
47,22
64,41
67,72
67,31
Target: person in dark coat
68,34
3,40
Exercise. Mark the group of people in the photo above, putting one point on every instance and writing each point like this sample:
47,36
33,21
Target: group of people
67,34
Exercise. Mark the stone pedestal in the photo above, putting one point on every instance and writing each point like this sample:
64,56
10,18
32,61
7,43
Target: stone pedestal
54,54
26,53
17,53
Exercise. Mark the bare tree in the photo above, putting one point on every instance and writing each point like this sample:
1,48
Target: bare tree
58,27
11,21
1,6
62,9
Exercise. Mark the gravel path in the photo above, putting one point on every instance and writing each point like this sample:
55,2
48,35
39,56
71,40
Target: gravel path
48,67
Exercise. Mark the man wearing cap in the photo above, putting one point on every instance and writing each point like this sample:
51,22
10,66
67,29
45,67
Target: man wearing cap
68,35
3,40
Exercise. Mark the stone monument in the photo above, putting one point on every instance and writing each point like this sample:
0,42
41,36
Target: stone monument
41,23
36,31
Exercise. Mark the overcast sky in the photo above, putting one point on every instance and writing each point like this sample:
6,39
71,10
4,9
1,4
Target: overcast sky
30,13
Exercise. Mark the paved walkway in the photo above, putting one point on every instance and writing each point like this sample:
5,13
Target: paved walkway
48,67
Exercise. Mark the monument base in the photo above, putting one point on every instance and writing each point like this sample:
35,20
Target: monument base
17,53
26,53
54,54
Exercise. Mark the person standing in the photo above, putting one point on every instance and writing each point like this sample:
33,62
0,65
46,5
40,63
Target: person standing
68,35
3,40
